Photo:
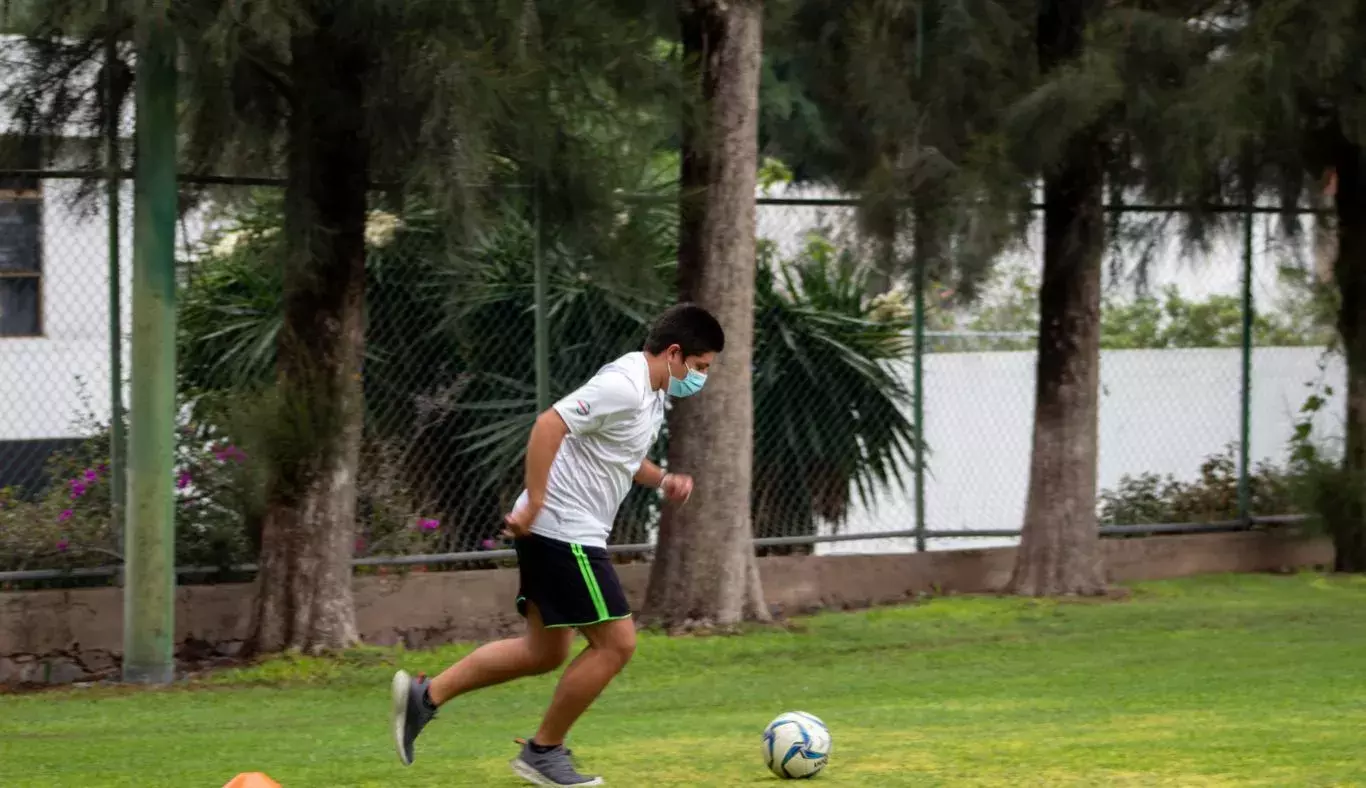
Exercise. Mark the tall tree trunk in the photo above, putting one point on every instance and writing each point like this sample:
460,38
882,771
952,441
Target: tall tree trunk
927,234
882,225
1060,550
1349,525
705,573
304,586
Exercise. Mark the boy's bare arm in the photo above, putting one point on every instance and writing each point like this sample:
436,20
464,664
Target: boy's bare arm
677,487
649,475
541,448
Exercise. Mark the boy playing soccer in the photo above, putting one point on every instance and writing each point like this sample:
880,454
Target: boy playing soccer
581,459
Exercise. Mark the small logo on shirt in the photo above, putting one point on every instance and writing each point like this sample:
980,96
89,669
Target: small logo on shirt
582,408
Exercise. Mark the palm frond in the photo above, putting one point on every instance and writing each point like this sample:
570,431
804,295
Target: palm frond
830,422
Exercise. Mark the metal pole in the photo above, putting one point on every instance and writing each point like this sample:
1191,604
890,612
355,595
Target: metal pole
919,402
543,148
1245,426
542,308
919,361
149,591
117,481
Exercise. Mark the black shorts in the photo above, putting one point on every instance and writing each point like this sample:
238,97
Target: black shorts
571,585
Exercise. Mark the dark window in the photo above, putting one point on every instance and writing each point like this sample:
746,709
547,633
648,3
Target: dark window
21,256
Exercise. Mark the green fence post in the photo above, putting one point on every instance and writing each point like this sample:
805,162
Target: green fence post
542,308
1245,426
919,361
919,404
117,491
149,590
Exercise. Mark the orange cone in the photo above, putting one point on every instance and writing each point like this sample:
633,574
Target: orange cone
251,780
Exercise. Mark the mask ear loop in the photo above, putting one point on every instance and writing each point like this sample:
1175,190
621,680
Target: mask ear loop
683,361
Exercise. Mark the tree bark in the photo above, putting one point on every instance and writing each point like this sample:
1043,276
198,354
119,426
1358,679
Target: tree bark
1348,526
304,585
705,573
1060,551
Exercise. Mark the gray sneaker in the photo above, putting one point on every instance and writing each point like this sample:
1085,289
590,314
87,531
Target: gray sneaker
409,712
549,768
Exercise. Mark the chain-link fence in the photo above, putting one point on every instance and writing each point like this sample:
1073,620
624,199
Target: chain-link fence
451,375
54,324
61,247
55,372
1175,411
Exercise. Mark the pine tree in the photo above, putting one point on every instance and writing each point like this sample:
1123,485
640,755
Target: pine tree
1067,97
334,96
1280,114
900,102
1060,545
1096,125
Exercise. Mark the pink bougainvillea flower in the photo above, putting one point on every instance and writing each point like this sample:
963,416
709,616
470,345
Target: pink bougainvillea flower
428,524
183,480
488,544
62,544
91,476
77,489
64,516
230,452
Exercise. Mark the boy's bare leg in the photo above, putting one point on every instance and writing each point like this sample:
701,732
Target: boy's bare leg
538,651
414,700
610,646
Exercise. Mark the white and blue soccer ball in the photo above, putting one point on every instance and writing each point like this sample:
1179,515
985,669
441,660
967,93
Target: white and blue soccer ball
796,745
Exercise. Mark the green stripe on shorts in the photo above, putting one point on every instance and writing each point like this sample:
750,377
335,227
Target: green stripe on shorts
591,581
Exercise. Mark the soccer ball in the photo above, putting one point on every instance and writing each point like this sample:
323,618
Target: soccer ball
796,745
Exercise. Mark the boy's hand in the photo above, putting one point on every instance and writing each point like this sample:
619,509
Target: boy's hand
677,487
519,522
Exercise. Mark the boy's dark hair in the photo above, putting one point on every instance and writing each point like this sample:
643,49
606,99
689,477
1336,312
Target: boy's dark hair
690,327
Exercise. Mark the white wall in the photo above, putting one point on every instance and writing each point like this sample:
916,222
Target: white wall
1162,411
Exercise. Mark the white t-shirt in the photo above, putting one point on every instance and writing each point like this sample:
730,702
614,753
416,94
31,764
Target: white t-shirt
613,421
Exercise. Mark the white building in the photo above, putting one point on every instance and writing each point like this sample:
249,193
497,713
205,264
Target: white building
54,303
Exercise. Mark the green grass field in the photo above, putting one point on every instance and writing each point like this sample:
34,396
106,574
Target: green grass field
1229,680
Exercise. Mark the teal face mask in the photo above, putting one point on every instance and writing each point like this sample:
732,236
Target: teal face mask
689,385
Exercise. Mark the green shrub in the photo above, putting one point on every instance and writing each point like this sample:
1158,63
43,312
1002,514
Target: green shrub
1329,491
1313,482
68,525
449,367
1151,498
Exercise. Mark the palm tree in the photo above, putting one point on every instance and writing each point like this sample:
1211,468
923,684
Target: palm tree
830,415
448,351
